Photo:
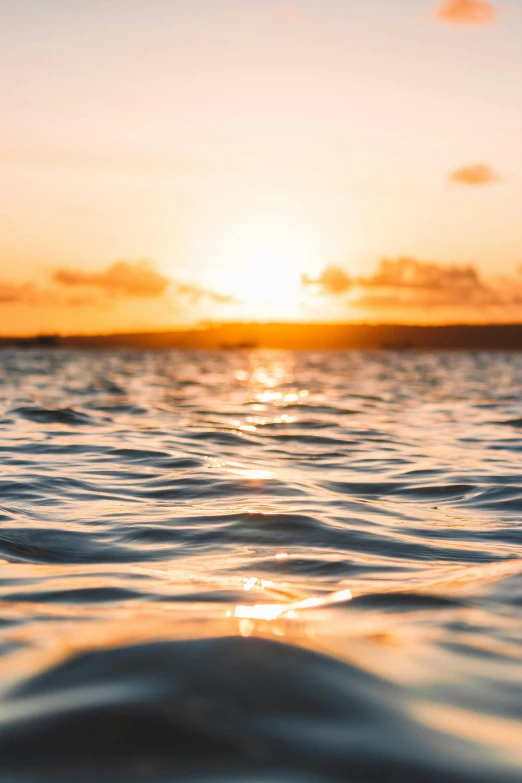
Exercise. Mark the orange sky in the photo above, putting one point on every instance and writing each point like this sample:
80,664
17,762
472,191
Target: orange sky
165,163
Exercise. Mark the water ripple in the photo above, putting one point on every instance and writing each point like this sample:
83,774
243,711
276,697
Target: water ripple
260,567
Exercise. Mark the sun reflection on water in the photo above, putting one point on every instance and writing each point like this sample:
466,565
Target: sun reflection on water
274,611
270,384
252,474
278,396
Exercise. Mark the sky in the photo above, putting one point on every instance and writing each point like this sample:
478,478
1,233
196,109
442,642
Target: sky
171,162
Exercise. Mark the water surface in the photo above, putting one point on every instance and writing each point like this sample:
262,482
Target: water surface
260,567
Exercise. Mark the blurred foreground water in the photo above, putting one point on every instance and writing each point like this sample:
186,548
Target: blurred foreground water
260,567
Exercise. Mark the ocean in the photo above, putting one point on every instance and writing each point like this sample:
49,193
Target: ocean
260,567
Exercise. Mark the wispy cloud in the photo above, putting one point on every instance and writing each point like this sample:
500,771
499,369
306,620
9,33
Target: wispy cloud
196,293
466,12
476,175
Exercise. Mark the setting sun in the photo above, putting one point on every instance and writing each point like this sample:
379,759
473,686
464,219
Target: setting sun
262,264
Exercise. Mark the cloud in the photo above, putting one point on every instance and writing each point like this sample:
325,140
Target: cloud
137,279
410,273
466,12
36,295
411,283
476,175
332,280
196,293
10,292
123,278
25,293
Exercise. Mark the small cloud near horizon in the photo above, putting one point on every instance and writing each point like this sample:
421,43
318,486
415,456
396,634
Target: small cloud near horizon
25,293
466,12
332,280
196,293
409,282
122,280
475,175
126,278
137,279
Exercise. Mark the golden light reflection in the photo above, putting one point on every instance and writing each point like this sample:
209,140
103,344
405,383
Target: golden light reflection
269,377
253,583
244,427
254,423
252,474
269,612
268,370
285,397
246,627
261,612
270,380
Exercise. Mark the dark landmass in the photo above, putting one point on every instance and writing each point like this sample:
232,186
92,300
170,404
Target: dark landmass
241,336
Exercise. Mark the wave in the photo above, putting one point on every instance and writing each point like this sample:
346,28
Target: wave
224,707
260,567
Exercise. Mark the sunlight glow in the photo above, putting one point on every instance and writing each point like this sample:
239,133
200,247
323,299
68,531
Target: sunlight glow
262,263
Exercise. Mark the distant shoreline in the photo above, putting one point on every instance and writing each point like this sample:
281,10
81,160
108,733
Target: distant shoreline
242,336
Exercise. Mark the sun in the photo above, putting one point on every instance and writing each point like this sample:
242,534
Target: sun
262,264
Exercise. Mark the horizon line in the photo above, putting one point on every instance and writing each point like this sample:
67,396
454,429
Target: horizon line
216,325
